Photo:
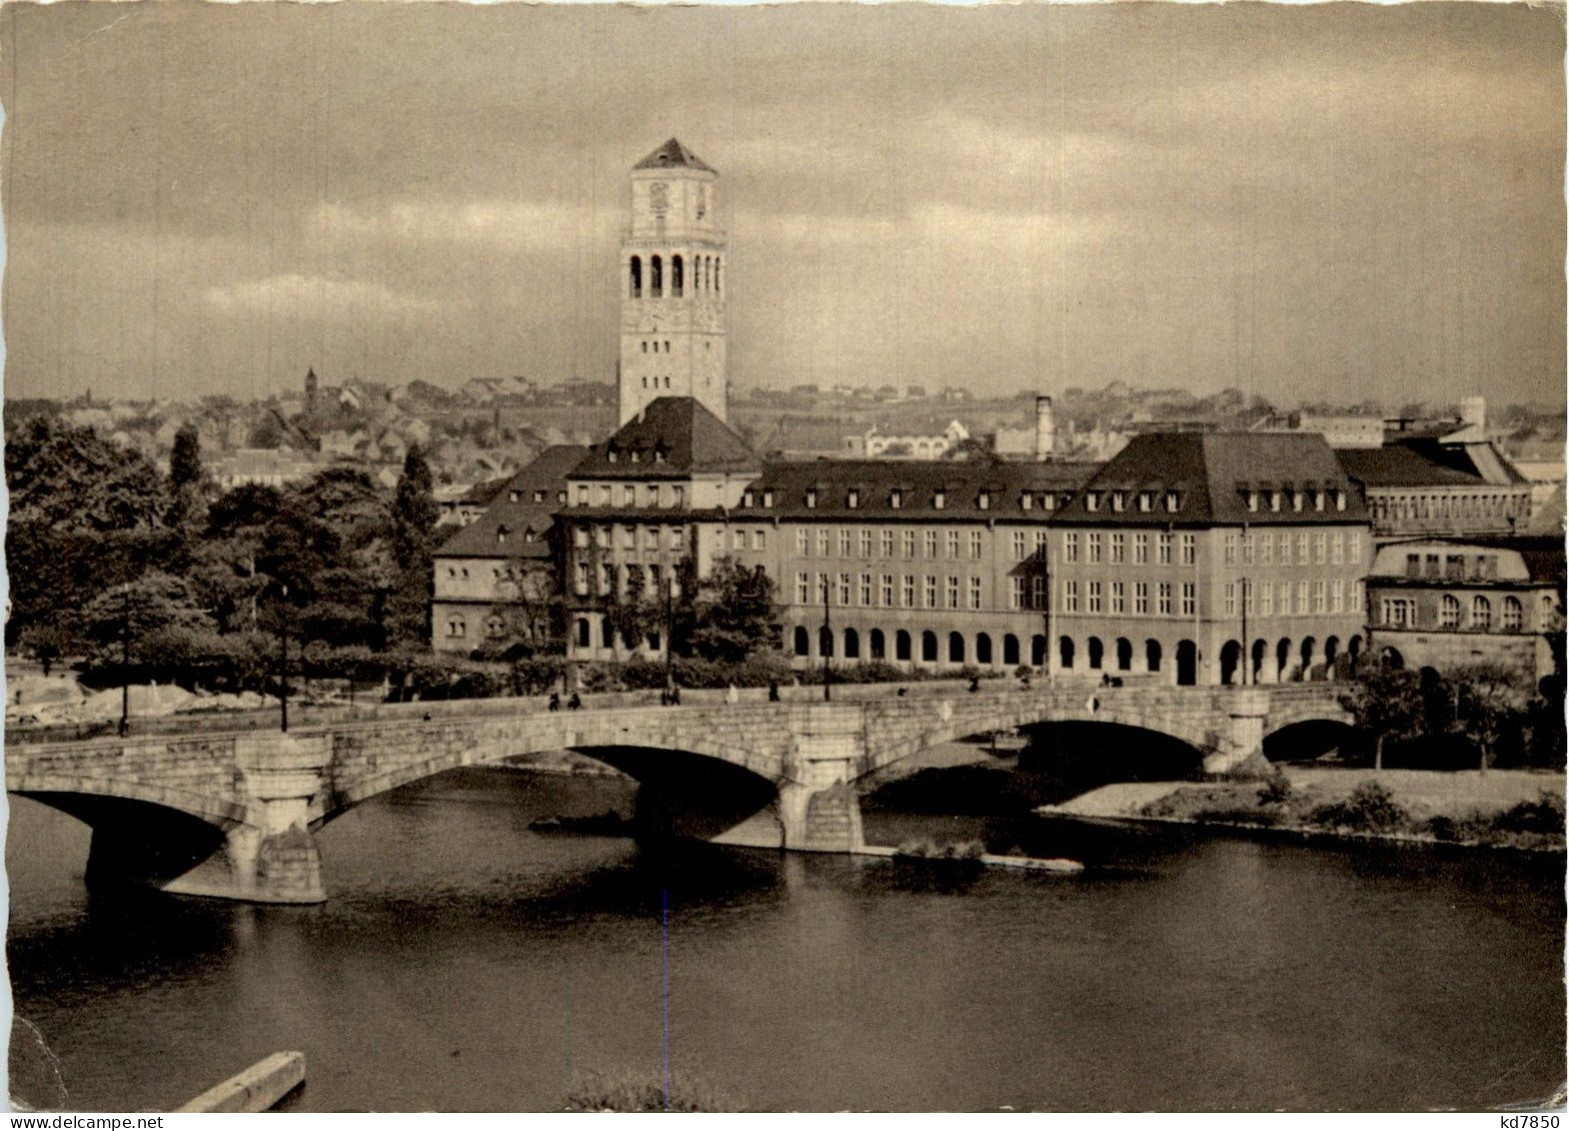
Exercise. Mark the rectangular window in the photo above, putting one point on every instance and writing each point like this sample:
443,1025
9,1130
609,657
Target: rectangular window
887,590
866,590
953,544
1040,545
1320,547
1283,548
1318,597
803,543
909,591
652,494
1229,548
1247,548
1266,600
975,592
740,539
1354,547
1141,549
1189,599
1070,596
1037,592
803,589
1247,598
821,593
757,540
1141,598
1019,546
629,495
1284,593
580,537
824,542
1094,596
1302,597
1231,598
629,537
604,494
866,543
887,542
1163,599
1163,549
844,588
1119,597
909,543
931,592
1119,547
1337,596
651,538
975,545
1189,549
1337,548
1070,546
953,592
1266,550
931,545
1016,592
582,579
1094,546
844,542
1302,547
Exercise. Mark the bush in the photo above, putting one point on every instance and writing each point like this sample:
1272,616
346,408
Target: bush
1370,808
538,675
628,1091
1276,789
926,848
1544,815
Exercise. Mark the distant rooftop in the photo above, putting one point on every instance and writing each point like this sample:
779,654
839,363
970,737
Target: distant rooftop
674,155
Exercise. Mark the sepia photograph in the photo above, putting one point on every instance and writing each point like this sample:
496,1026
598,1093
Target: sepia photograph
826,557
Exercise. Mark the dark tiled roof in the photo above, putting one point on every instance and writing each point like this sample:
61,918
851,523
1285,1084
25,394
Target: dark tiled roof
960,481
1212,474
482,493
674,155
1424,461
671,438
482,538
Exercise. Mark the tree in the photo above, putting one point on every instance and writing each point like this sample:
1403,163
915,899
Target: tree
1387,703
414,515
735,612
1490,706
185,462
153,622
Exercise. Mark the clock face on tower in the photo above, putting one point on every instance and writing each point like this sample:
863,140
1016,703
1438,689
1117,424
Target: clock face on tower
659,198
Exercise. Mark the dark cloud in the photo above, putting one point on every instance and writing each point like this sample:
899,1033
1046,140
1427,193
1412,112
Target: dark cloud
1299,200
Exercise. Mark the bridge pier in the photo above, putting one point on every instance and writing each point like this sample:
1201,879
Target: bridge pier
819,809
1243,736
272,856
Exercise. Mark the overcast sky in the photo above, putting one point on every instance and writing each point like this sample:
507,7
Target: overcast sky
1333,201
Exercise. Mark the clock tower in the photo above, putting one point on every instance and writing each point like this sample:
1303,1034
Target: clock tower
673,280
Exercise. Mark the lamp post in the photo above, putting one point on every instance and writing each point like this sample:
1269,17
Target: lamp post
283,660
1248,675
826,643
125,661
670,630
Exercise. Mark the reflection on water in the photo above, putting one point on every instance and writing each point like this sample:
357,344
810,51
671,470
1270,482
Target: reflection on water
464,962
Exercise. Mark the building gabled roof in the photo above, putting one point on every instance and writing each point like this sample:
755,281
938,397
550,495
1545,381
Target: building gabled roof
1213,475
829,483
674,155
672,438
525,504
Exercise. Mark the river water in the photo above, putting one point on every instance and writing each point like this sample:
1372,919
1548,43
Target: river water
465,962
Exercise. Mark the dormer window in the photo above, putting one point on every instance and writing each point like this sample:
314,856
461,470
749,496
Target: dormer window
939,499
768,498
1252,500
1049,501
529,535
1173,501
501,534
633,455
1296,500
1340,500
896,498
539,496
1092,501
659,455
853,499
1026,501
1318,500
746,498
811,498
1119,500
1274,501
984,501
512,496
611,453
1146,501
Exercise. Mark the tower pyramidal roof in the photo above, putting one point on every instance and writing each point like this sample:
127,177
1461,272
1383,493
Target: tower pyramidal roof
674,155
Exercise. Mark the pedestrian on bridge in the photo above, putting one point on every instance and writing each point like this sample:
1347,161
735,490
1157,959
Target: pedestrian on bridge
574,703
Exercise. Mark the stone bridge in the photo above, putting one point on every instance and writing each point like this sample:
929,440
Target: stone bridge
234,815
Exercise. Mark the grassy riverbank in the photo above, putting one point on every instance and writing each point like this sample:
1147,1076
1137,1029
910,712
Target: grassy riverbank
1498,809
